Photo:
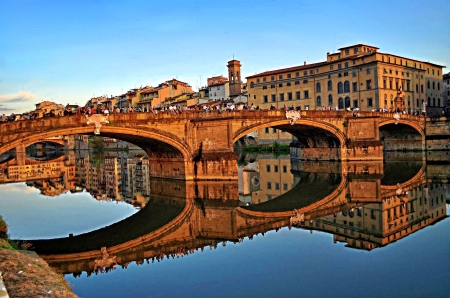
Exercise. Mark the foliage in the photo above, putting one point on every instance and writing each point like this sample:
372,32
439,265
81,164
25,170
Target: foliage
3,228
276,148
345,123
97,143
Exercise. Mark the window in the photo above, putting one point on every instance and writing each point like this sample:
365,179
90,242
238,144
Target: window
274,97
428,84
257,80
272,86
297,74
384,83
306,93
274,130
284,169
318,87
340,88
346,86
265,99
369,102
297,95
269,185
346,74
330,100
346,64
319,101
355,86
368,71
280,85
272,78
354,73
297,82
311,72
355,50
347,102
289,75
281,96
264,79
417,88
305,81
277,185
285,186
280,77
355,103
275,168
339,66
421,88
340,103
288,84
267,168
289,95
330,85
368,84
266,131
331,67
305,73
264,87
252,85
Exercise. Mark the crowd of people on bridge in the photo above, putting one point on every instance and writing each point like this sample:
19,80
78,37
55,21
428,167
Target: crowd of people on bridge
175,109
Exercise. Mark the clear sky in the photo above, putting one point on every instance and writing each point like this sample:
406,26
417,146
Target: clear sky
69,51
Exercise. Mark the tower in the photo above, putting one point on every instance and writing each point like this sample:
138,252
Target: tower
234,77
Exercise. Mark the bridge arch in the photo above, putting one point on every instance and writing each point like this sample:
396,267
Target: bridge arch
132,135
286,126
411,124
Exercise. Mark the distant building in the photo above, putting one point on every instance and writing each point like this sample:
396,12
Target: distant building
47,108
446,93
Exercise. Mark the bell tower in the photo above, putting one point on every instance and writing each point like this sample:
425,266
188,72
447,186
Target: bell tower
234,77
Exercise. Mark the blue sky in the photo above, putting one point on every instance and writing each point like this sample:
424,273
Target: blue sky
68,51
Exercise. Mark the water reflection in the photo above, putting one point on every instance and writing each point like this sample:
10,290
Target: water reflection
365,205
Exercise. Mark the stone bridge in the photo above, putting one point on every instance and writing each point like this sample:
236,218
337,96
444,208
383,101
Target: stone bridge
188,214
196,145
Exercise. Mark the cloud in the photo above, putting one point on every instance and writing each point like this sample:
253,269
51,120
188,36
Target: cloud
22,96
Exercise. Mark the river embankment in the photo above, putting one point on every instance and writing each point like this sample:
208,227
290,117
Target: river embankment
25,274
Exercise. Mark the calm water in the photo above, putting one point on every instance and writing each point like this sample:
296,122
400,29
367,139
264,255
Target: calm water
367,243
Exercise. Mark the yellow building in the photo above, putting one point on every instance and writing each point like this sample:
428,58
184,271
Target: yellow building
358,76
275,179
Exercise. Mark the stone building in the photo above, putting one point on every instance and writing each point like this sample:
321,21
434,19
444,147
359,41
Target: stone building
446,93
357,76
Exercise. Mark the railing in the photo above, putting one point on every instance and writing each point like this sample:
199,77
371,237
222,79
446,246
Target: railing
43,124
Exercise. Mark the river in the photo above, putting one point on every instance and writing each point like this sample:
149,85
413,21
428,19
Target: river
286,228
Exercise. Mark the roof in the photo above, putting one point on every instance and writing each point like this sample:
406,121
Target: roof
283,70
358,45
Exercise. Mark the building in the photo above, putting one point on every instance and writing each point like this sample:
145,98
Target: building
234,77
446,93
357,76
219,91
156,97
49,108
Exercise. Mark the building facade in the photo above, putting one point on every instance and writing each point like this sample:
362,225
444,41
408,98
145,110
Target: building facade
446,93
358,76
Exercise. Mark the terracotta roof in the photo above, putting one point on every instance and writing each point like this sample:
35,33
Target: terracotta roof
289,69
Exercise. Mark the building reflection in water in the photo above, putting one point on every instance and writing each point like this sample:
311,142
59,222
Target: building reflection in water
365,205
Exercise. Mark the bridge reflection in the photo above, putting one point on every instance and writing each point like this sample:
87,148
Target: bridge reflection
349,200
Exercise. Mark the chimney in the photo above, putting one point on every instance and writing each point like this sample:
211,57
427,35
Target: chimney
304,62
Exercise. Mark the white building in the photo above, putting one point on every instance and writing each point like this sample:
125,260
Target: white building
219,91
